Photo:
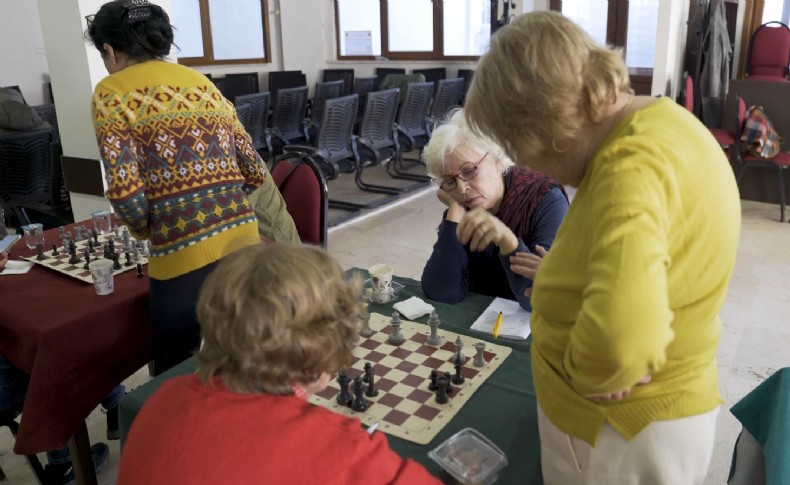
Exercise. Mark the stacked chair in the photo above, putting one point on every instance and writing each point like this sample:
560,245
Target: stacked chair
345,75
257,119
323,91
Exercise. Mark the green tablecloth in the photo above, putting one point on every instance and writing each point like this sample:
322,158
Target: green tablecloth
503,409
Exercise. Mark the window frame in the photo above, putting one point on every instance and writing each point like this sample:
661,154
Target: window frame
438,37
208,45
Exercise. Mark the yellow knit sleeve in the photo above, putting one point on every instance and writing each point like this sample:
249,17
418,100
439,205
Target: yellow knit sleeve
624,326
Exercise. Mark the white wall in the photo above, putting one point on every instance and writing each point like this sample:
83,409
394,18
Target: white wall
23,61
670,47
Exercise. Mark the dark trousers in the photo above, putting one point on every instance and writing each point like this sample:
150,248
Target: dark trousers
174,323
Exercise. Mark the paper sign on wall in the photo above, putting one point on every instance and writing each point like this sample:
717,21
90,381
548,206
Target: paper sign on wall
359,43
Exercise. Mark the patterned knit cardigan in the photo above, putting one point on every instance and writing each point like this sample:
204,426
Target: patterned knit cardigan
177,164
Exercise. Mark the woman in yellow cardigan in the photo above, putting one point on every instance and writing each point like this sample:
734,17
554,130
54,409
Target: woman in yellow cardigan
625,305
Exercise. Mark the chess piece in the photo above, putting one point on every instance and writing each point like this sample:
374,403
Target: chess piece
360,404
366,331
459,345
40,256
368,365
87,259
432,384
396,337
371,390
127,243
441,397
140,270
73,258
116,265
344,398
449,378
433,323
458,378
128,259
90,245
55,250
111,247
479,360
95,238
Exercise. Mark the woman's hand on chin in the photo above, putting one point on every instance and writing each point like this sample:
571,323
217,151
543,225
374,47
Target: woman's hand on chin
455,210
478,228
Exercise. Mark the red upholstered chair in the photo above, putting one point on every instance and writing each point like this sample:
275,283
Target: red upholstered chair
769,53
725,138
687,94
781,162
304,190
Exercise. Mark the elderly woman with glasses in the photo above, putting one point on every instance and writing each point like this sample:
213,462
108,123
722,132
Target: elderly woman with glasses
500,219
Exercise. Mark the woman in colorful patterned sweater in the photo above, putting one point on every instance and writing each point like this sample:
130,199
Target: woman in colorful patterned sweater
178,166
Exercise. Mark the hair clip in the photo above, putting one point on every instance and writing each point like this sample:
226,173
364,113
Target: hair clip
138,10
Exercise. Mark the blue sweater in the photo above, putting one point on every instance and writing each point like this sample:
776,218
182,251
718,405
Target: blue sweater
453,270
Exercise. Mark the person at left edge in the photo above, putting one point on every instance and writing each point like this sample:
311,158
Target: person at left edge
178,165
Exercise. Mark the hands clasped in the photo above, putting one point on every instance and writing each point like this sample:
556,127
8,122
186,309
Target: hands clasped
478,228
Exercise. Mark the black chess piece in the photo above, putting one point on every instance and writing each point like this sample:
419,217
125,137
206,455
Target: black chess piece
55,250
73,258
371,390
111,246
458,378
95,238
360,404
450,387
367,369
40,256
441,396
344,398
140,270
128,259
116,265
432,384
87,259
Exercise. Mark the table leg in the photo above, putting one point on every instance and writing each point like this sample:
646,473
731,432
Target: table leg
81,458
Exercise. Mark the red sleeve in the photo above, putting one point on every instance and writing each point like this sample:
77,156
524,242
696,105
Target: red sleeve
375,462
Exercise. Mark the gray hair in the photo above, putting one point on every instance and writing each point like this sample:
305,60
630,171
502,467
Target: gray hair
456,135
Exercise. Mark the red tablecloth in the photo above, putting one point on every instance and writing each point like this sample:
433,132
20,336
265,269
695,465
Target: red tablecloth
76,346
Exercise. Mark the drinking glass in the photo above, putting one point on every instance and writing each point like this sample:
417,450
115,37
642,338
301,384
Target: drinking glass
34,234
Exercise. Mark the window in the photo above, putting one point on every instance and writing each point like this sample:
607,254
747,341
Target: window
413,29
776,11
221,31
631,25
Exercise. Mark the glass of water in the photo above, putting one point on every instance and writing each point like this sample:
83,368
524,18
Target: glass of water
34,234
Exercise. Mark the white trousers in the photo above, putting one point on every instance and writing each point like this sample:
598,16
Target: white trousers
672,452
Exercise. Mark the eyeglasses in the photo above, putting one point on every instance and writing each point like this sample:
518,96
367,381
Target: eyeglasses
466,174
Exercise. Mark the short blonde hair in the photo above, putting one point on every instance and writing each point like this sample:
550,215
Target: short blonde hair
273,316
541,80
453,135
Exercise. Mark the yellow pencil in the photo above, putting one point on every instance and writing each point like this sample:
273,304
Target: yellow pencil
497,326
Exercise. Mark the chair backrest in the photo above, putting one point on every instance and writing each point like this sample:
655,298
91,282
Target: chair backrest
376,129
345,75
381,73
412,116
769,51
243,111
283,80
740,120
305,193
400,81
26,165
259,114
467,75
337,127
365,84
432,75
233,85
688,92
324,91
47,113
288,116
448,97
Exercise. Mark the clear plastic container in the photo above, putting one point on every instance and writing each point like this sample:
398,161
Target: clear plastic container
470,458
381,297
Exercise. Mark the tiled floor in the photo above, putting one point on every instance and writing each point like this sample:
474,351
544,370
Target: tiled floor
754,340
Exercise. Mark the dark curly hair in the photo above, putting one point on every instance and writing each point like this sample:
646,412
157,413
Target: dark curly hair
137,28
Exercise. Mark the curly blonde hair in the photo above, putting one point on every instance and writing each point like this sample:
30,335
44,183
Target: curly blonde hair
543,78
274,316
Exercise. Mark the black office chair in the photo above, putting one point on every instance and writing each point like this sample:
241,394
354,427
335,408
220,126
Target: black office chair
323,91
362,86
432,75
47,113
284,80
243,114
467,75
412,125
381,73
378,141
258,117
233,85
345,75
448,97
288,119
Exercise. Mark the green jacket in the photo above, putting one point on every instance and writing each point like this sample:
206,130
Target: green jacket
274,221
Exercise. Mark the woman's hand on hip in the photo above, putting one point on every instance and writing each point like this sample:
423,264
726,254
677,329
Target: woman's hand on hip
455,211
526,264
616,396
479,228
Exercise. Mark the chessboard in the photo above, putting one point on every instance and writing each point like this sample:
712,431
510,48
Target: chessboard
60,261
404,406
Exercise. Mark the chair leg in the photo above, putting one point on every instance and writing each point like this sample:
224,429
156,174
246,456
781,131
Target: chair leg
740,173
781,194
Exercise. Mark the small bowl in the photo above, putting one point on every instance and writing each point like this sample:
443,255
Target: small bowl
469,457
381,297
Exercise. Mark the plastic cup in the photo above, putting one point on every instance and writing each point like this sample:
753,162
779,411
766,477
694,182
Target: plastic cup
34,235
102,221
102,274
381,278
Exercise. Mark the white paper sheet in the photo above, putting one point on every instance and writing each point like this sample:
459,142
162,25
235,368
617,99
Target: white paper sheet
16,267
515,320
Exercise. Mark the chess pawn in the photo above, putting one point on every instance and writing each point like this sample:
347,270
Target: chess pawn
432,381
128,259
40,256
442,384
479,360
87,259
395,337
366,331
458,378
55,250
140,270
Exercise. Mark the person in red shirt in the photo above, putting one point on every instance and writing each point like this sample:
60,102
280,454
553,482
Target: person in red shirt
277,322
